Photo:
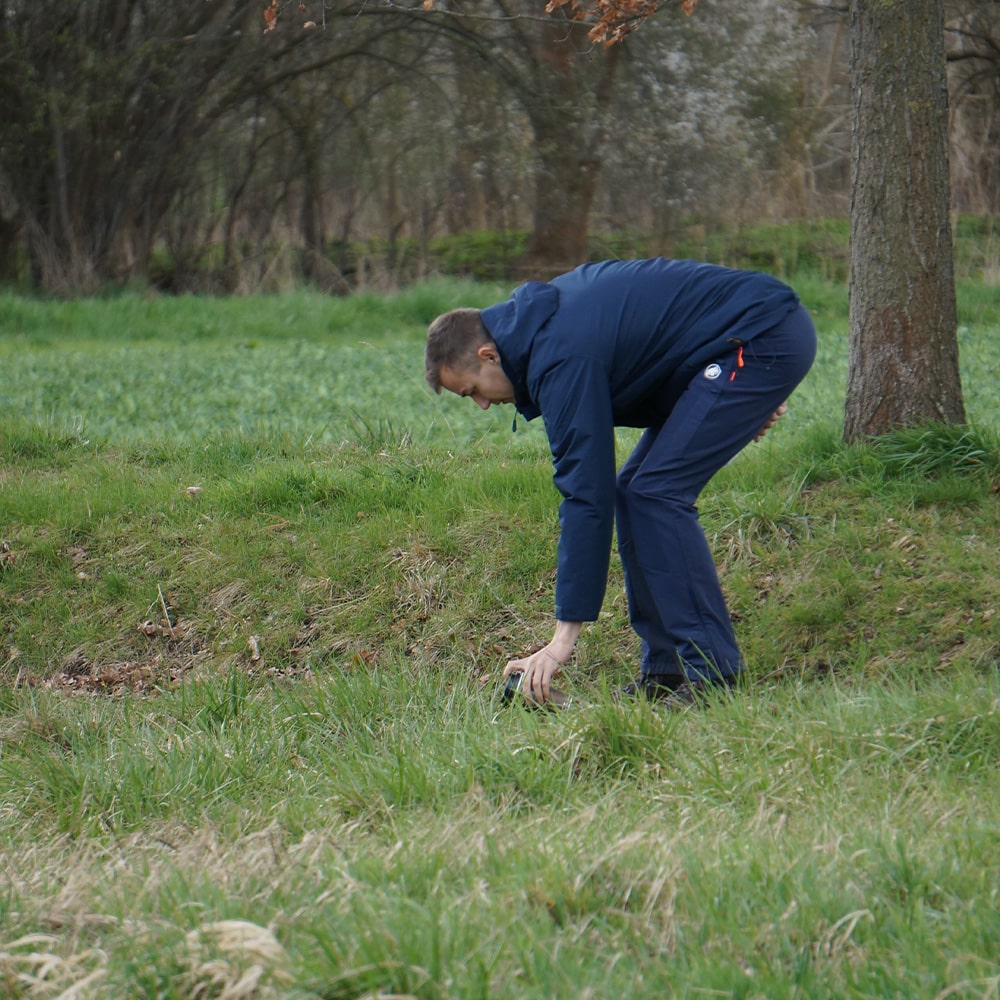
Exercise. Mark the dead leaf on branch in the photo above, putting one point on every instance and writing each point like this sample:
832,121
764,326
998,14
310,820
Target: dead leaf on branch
613,20
270,16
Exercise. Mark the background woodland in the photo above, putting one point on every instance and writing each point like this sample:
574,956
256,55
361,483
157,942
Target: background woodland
186,147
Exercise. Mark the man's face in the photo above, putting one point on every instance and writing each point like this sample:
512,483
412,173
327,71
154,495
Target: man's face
486,385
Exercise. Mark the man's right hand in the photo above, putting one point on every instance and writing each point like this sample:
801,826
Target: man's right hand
539,668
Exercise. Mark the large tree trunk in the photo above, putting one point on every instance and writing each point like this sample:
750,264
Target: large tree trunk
904,348
565,180
573,82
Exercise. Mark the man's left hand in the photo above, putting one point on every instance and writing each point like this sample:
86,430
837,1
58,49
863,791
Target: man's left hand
772,420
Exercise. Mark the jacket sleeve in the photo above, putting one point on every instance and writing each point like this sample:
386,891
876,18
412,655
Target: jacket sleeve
575,400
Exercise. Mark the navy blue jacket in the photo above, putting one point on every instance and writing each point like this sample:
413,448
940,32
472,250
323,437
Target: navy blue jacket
615,344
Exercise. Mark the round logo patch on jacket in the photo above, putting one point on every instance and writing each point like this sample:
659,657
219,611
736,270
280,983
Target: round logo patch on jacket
713,371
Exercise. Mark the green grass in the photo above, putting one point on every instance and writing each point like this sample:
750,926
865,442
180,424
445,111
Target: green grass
257,584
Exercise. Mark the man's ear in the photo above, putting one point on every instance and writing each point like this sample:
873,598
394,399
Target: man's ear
488,353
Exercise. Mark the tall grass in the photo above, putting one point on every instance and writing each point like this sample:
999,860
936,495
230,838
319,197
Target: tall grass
257,584
832,839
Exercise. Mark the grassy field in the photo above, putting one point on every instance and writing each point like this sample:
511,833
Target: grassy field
257,584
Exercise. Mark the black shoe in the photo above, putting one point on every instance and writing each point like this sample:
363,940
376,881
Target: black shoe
653,687
692,693
673,692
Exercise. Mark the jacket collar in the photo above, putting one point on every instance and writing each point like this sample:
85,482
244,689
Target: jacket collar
513,325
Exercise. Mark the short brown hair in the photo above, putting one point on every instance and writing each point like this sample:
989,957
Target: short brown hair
452,341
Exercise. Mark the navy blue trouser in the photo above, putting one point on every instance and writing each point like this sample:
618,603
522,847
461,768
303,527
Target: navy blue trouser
675,600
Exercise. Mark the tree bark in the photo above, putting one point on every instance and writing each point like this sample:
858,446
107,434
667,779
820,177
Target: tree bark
567,108
903,367
565,180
